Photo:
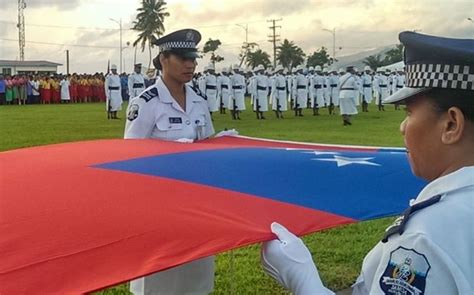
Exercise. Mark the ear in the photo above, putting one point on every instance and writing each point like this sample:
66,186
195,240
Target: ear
453,126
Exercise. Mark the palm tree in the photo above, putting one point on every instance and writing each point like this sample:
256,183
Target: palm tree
289,55
373,61
259,57
150,18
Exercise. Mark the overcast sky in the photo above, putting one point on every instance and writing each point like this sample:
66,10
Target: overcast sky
84,27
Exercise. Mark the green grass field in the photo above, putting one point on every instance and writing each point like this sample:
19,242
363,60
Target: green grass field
337,252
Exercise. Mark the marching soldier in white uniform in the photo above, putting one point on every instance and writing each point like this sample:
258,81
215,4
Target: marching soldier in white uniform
223,90
300,88
382,89
366,89
279,104
260,90
429,248
113,92
136,81
173,110
333,102
237,92
347,96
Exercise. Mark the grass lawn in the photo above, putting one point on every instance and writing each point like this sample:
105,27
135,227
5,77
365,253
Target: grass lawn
337,252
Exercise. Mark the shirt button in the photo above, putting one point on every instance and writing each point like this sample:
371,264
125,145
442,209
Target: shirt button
188,122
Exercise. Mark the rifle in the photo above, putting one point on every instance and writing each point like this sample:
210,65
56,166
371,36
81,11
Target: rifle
234,109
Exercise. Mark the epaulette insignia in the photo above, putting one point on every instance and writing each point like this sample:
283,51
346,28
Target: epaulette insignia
149,94
398,227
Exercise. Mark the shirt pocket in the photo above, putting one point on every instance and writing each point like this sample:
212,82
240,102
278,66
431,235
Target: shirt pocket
163,124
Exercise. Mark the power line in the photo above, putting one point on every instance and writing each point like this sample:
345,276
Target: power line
60,44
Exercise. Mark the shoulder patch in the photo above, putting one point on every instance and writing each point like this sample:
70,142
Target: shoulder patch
405,273
132,113
149,94
198,92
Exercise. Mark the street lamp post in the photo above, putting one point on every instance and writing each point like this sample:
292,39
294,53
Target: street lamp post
333,32
119,22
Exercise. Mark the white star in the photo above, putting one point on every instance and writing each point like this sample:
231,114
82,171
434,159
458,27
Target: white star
343,161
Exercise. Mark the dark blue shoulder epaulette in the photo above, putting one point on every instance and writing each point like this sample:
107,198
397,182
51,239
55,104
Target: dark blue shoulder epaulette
398,227
198,92
149,94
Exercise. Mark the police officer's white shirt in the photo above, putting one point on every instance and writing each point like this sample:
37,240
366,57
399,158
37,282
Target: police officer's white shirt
134,79
156,114
435,252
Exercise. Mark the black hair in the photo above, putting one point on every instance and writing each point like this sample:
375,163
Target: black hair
156,60
443,99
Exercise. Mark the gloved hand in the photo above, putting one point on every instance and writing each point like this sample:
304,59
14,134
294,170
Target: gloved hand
231,132
288,261
184,140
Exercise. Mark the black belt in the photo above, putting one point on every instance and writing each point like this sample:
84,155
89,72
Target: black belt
300,87
261,88
333,85
225,86
238,87
318,86
382,85
210,86
399,86
138,85
281,88
114,88
367,85
347,89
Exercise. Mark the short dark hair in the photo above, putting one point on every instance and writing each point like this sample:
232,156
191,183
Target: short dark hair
156,60
443,99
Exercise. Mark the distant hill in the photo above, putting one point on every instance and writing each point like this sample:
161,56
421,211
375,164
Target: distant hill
358,58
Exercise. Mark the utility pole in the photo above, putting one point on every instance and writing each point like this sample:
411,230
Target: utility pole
21,28
67,61
274,37
246,44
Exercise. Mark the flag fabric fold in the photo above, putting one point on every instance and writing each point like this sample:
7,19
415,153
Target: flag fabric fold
79,217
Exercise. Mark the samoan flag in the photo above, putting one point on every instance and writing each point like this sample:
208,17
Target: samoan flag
79,217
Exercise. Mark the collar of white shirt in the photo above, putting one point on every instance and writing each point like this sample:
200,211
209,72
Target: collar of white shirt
458,179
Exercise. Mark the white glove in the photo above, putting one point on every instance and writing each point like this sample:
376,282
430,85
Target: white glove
231,132
184,140
288,261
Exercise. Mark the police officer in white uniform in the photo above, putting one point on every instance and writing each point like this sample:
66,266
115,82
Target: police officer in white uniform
429,249
223,90
113,93
173,110
136,81
260,86
348,92
366,89
300,88
210,82
237,92
279,104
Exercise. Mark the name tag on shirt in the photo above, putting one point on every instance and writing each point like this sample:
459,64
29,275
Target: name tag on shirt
176,120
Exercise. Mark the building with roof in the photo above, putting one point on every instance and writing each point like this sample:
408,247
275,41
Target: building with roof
14,67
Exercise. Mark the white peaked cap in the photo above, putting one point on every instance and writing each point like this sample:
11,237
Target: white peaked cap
367,68
211,67
325,70
279,68
311,69
235,67
317,68
113,67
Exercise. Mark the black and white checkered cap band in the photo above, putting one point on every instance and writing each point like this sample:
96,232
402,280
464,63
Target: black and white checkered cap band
177,45
440,76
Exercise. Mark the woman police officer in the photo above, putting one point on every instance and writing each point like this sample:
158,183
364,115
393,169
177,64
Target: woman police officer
172,110
429,249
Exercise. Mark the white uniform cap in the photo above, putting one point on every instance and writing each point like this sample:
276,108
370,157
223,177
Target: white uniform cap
367,68
259,68
317,68
113,67
325,70
341,70
311,68
211,67
224,70
235,67
206,68
279,68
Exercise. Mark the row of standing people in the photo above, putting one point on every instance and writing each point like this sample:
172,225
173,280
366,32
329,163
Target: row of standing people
313,89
